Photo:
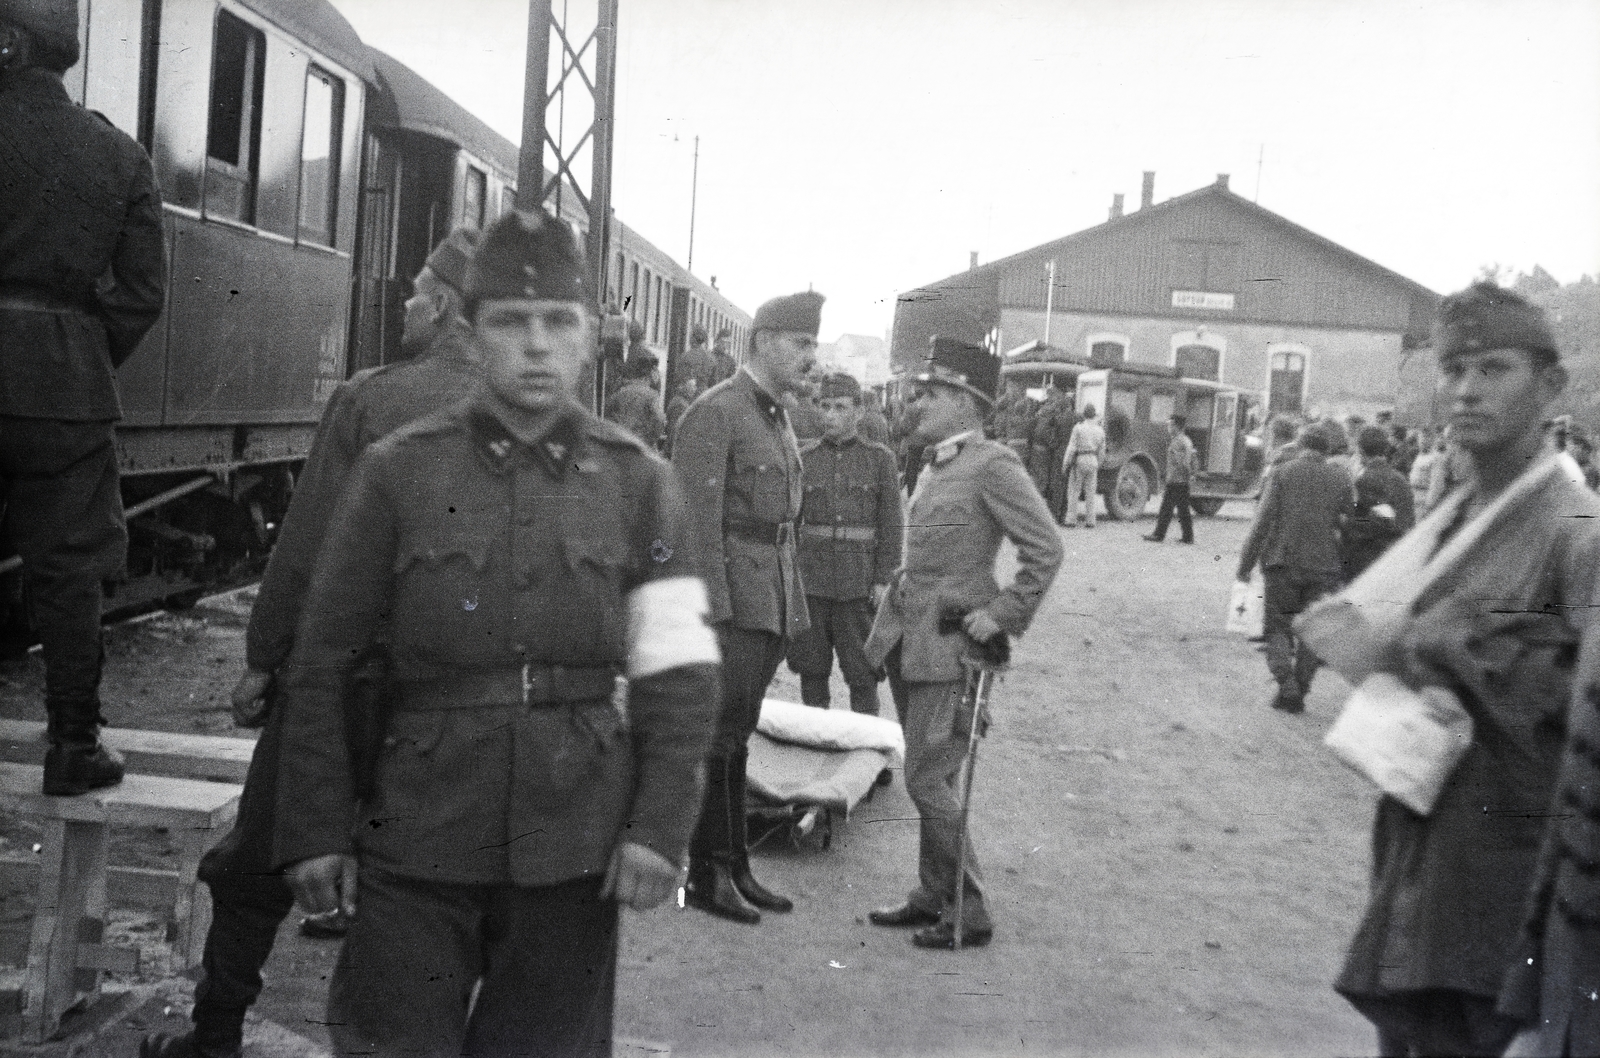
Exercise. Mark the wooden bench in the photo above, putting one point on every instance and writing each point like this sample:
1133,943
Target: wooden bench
148,752
65,956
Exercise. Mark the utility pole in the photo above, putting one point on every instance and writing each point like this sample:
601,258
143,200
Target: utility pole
1049,298
694,196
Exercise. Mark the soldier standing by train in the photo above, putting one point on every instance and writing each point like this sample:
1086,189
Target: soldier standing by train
850,529
741,471
515,555
82,278
249,898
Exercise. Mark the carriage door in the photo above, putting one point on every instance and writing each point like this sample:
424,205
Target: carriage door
1224,431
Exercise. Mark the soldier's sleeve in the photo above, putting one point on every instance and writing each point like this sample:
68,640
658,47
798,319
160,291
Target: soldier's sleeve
133,291
891,520
1266,512
334,451
348,602
672,671
1012,498
700,455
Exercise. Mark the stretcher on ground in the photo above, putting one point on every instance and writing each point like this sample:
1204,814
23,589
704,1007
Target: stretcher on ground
808,766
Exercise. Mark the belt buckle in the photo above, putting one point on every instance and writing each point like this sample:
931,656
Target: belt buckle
538,684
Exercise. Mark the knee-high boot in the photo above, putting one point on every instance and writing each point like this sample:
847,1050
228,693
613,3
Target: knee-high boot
711,886
749,888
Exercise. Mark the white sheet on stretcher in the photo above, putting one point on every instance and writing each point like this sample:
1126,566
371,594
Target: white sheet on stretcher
829,757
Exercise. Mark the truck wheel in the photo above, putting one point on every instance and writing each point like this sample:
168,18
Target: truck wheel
1127,499
1207,506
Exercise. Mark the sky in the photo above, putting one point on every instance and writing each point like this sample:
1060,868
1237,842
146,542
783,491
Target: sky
865,147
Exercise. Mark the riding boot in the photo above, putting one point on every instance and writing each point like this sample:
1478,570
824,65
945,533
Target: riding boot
748,887
76,761
814,691
864,698
710,885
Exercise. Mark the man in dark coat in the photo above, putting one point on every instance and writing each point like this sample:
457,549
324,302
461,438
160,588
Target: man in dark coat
1295,539
82,278
974,494
513,555
1384,509
249,898
695,362
636,405
1052,426
850,529
741,472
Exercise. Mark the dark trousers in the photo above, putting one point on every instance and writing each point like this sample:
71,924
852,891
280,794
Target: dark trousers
1289,592
249,901
1175,497
543,960
749,661
63,506
1438,1021
838,626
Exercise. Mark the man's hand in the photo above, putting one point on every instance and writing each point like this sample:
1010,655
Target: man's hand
980,626
325,883
639,877
250,698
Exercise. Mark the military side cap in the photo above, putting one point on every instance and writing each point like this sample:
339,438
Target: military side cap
54,22
450,258
952,362
1485,316
839,384
528,255
795,312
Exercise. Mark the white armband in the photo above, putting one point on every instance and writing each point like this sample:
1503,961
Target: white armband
667,627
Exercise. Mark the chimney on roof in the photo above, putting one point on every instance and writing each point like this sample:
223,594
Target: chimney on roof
1147,196
1222,181
972,262
1116,206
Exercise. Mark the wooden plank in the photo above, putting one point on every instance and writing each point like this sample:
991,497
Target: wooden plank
108,957
73,879
145,888
166,753
139,800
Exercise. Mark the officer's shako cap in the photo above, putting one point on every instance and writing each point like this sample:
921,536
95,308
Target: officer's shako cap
839,384
53,22
1485,316
962,365
528,256
801,313
451,258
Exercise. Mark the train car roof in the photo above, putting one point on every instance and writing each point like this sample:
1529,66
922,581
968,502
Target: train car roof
408,101
320,25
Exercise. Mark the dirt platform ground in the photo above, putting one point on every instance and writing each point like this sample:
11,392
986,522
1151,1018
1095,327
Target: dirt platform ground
1173,867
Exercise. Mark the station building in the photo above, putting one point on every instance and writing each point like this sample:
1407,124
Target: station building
1207,283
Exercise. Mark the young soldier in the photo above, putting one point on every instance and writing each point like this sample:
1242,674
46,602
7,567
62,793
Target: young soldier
249,898
1085,449
740,467
82,278
973,494
850,527
1181,459
514,555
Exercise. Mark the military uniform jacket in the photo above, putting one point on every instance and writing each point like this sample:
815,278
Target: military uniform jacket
82,260
972,494
852,521
637,408
368,406
1302,509
1054,422
740,468
474,555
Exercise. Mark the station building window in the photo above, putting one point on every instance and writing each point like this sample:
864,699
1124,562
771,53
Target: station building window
473,196
1107,349
1286,378
1198,354
233,134
323,131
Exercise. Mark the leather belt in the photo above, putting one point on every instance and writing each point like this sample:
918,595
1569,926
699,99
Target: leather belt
864,534
774,533
532,684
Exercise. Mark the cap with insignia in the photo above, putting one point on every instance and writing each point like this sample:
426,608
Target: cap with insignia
53,22
794,312
839,384
1485,316
528,255
451,257
969,367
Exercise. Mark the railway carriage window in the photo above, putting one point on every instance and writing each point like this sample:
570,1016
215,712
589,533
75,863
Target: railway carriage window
472,198
233,137
319,156
633,291
644,307
508,199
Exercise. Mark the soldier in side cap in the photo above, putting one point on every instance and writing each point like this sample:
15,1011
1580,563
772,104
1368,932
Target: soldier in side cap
513,555
973,494
850,529
249,898
740,466
82,278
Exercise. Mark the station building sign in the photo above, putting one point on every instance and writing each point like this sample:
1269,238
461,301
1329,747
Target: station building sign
1202,299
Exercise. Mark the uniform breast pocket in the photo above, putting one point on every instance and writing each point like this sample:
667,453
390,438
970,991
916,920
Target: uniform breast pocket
443,574
765,487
